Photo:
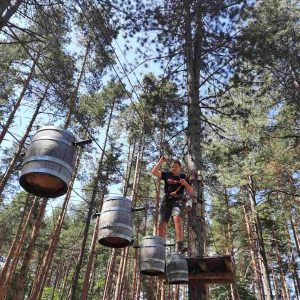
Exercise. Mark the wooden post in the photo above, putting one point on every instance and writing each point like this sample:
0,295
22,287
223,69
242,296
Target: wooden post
198,289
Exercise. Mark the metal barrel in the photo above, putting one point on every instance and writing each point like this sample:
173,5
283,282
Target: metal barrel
115,224
152,255
49,162
177,269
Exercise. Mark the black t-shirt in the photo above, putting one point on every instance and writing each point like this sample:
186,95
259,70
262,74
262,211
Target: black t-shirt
172,182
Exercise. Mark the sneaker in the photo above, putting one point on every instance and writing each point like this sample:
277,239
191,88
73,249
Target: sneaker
181,248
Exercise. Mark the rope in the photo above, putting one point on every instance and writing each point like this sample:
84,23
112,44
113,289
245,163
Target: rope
104,32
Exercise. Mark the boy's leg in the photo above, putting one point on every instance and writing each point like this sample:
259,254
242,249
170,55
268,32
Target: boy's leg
162,226
177,213
178,228
164,216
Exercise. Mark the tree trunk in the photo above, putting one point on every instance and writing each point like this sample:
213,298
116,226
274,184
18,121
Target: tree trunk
284,289
275,285
94,275
128,168
295,234
29,203
41,276
57,277
109,275
18,102
75,93
20,286
12,163
124,257
255,266
92,253
7,10
16,255
121,274
91,208
138,284
262,259
157,185
66,274
196,221
233,288
293,265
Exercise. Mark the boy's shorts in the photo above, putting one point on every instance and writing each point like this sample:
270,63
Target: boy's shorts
171,207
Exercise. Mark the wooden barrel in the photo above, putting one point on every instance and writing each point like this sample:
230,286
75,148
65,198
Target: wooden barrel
115,224
49,162
152,255
177,269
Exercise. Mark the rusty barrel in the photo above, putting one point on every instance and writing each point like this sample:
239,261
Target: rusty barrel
152,255
115,224
177,269
49,162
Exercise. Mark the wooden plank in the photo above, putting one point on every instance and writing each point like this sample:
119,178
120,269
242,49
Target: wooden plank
210,264
221,277
228,264
203,266
212,270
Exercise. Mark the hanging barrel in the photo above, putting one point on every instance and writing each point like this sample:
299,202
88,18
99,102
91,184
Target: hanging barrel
152,255
49,162
177,269
115,224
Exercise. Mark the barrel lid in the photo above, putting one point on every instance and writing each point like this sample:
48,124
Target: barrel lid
172,254
56,128
152,237
113,197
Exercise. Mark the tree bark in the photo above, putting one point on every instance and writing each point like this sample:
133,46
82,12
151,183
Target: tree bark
124,256
275,285
7,11
262,259
109,275
41,275
75,93
255,266
284,289
17,253
29,202
91,208
196,221
233,287
92,253
12,163
18,102
20,286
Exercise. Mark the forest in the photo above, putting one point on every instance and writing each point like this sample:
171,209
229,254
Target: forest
215,84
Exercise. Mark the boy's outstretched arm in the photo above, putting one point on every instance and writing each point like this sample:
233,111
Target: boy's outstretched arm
156,170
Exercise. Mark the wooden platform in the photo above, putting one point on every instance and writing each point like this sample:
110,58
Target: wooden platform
211,269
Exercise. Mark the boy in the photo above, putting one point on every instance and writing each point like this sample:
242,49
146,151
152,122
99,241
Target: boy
172,203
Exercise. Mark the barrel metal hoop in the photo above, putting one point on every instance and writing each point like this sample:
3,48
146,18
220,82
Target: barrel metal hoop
118,198
155,238
116,208
48,171
120,235
153,246
48,158
153,259
59,129
48,138
177,272
112,225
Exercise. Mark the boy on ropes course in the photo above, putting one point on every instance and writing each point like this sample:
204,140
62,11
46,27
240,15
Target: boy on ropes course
173,203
